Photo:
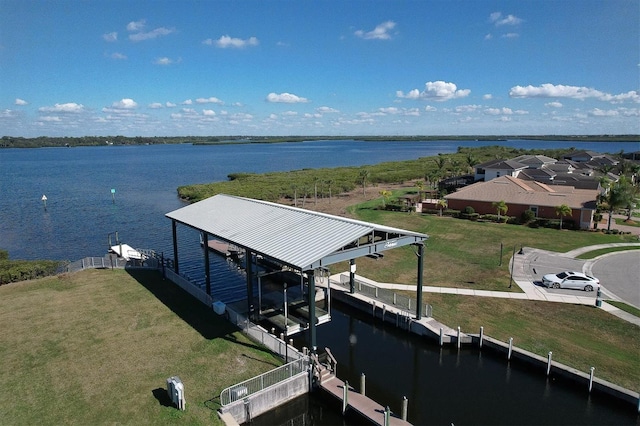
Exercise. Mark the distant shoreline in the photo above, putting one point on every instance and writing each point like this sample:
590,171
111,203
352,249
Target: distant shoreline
46,142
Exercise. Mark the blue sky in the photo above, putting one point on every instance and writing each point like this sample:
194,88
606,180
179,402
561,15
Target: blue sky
334,67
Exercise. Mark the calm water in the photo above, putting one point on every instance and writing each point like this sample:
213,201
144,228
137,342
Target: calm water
444,386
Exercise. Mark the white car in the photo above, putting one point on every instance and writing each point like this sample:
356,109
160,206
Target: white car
570,279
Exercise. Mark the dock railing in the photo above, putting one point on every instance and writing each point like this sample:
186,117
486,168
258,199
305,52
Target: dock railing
386,296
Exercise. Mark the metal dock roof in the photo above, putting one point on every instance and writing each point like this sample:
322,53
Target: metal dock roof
297,237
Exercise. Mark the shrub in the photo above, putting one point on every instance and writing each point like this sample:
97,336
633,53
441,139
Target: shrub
468,210
527,216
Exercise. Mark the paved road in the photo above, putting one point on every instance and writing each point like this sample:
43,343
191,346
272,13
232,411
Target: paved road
619,275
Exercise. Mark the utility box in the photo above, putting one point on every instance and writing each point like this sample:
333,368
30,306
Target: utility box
238,393
219,307
175,390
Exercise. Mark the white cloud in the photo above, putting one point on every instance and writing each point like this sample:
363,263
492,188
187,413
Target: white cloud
498,111
467,108
155,105
163,61
110,37
125,103
170,105
187,102
436,90
326,110
510,35
226,41
549,90
208,112
22,102
211,100
70,107
498,19
597,112
380,32
117,55
487,96
150,35
430,108
49,118
554,104
136,25
287,98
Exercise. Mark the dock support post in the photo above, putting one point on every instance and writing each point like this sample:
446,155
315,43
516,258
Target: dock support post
481,337
312,309
207,267
458,338
387,415
420,255
510,348
384,311
593,369
441,336
345,396
405,405
352,276
362,384
174,232
248,256
549,355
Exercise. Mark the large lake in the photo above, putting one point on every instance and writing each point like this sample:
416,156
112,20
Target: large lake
443,385
81,211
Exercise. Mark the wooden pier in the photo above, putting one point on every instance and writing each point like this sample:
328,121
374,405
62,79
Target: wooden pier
362,404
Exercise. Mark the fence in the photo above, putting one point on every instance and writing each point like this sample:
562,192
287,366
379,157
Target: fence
256,384
386,296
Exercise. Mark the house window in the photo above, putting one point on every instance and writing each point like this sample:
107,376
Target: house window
534,209
497,174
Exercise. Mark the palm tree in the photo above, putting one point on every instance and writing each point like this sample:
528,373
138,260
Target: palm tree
440,163
364,176
501,207
316,179
441,204
471,161
420,186
386,194
563,210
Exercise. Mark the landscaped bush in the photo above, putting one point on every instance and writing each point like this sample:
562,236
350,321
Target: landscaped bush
468,210
527,216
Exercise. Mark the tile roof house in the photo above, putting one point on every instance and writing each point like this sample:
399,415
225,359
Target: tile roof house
521,195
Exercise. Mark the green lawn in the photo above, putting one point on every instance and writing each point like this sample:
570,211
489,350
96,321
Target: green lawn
96,347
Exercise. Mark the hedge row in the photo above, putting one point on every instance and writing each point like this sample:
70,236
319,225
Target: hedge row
19,270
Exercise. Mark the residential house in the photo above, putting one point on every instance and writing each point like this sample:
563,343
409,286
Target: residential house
521,195
496,168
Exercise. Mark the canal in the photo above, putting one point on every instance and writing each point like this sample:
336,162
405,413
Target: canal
443,386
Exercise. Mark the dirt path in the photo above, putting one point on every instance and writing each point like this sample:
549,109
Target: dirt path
338,204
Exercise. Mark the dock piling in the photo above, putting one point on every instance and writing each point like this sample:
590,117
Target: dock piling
510,348
591,378
362,384
458,338
405,405
549,362
345,396
481,337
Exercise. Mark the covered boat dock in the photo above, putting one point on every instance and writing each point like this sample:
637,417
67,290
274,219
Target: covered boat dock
284,242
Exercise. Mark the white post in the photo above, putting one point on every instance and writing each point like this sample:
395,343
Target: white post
481,336
362,384
441,336
345,397
405,405
373,309
384,311
510,348
458,340
549,362
591,378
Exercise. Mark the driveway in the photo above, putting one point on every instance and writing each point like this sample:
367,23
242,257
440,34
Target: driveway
618,272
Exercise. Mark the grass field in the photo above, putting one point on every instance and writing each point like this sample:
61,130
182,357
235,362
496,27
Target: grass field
96,347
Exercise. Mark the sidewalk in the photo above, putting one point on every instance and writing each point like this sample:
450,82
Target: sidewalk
523,279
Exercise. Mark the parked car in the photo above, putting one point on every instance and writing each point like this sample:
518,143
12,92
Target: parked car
570,279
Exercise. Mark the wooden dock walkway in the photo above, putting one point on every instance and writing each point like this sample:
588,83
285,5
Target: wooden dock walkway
362,404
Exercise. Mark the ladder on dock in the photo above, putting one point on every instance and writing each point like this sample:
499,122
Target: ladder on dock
365,406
